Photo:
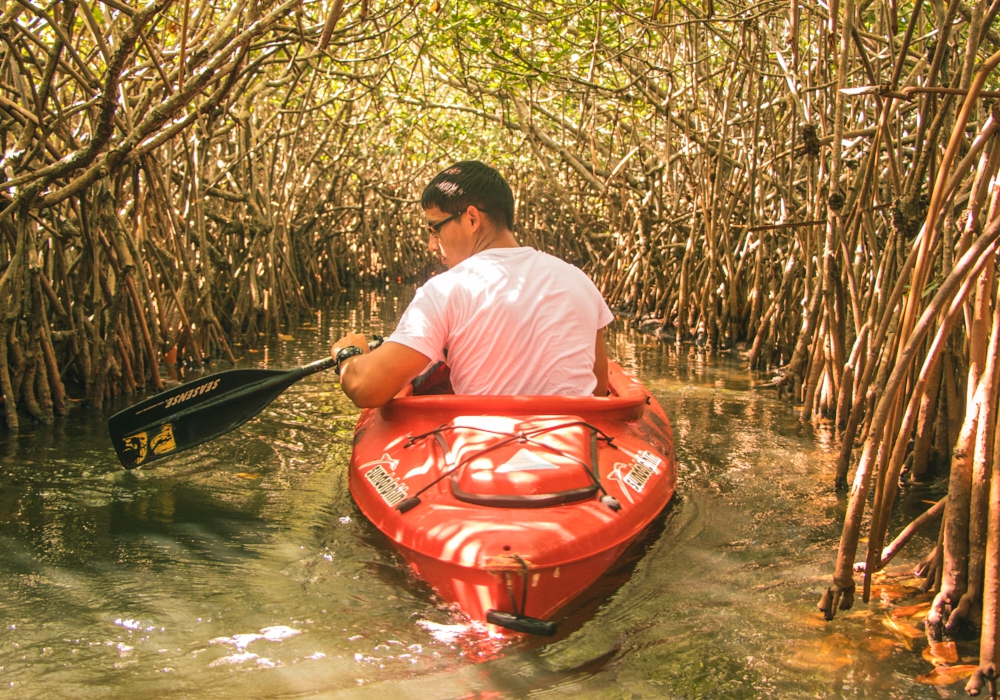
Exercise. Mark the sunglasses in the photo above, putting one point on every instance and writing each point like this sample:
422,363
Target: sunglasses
435,228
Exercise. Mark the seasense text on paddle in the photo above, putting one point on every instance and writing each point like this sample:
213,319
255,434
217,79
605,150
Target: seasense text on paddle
191,393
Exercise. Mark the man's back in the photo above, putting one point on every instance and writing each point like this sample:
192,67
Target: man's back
512,321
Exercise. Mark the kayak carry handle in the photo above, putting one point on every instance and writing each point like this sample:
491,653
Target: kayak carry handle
522,623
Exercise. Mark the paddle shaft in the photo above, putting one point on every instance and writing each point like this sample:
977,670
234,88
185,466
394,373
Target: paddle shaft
282,380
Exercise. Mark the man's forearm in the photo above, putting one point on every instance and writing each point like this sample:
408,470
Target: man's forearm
356,377
374,378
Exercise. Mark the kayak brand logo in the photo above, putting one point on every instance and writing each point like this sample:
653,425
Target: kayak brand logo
388,486
191,393
640,469
644,465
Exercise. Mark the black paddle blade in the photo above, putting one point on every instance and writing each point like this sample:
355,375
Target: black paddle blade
194,413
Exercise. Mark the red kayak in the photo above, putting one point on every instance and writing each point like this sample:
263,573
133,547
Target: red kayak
511,506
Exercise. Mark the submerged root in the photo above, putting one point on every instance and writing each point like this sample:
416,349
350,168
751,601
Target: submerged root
963,620
983,676
836,596
937,616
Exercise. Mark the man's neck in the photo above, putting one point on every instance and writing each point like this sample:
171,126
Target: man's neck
499,238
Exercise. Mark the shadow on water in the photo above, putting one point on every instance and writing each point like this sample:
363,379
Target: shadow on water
243,567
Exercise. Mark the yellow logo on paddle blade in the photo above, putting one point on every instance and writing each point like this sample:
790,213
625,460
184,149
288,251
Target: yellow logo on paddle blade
159,443
135,447
163,443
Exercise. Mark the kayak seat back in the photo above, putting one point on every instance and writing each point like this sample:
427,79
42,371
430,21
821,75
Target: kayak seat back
627,400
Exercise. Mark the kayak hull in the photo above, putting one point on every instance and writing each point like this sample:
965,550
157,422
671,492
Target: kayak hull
514,504
477,591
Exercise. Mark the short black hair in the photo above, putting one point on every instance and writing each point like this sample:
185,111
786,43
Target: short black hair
471,183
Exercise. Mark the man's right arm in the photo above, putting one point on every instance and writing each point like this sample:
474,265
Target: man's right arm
372,379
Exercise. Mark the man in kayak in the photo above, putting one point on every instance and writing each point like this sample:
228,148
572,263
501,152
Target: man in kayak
508,319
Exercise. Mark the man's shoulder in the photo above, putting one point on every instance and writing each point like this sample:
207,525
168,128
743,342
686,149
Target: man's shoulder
527,255
495,265
434,292
556,261
444,286
440,281
563,268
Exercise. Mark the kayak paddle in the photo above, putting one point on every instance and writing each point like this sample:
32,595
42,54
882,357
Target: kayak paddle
200,410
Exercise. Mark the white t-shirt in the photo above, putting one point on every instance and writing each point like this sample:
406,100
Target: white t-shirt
512,320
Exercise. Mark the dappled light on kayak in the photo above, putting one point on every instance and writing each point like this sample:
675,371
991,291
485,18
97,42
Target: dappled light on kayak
549,461
244,568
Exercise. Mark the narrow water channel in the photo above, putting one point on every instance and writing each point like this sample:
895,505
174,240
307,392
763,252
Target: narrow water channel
243,569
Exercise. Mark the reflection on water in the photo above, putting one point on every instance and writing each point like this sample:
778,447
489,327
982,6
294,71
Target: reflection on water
244,568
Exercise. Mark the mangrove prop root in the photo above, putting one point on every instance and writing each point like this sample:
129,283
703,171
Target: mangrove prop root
905,536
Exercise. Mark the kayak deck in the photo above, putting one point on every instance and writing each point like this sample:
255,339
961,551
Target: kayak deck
514,504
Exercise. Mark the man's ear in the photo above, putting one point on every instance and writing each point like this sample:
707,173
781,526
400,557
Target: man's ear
475,215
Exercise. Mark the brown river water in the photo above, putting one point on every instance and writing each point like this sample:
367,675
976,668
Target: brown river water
242,568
